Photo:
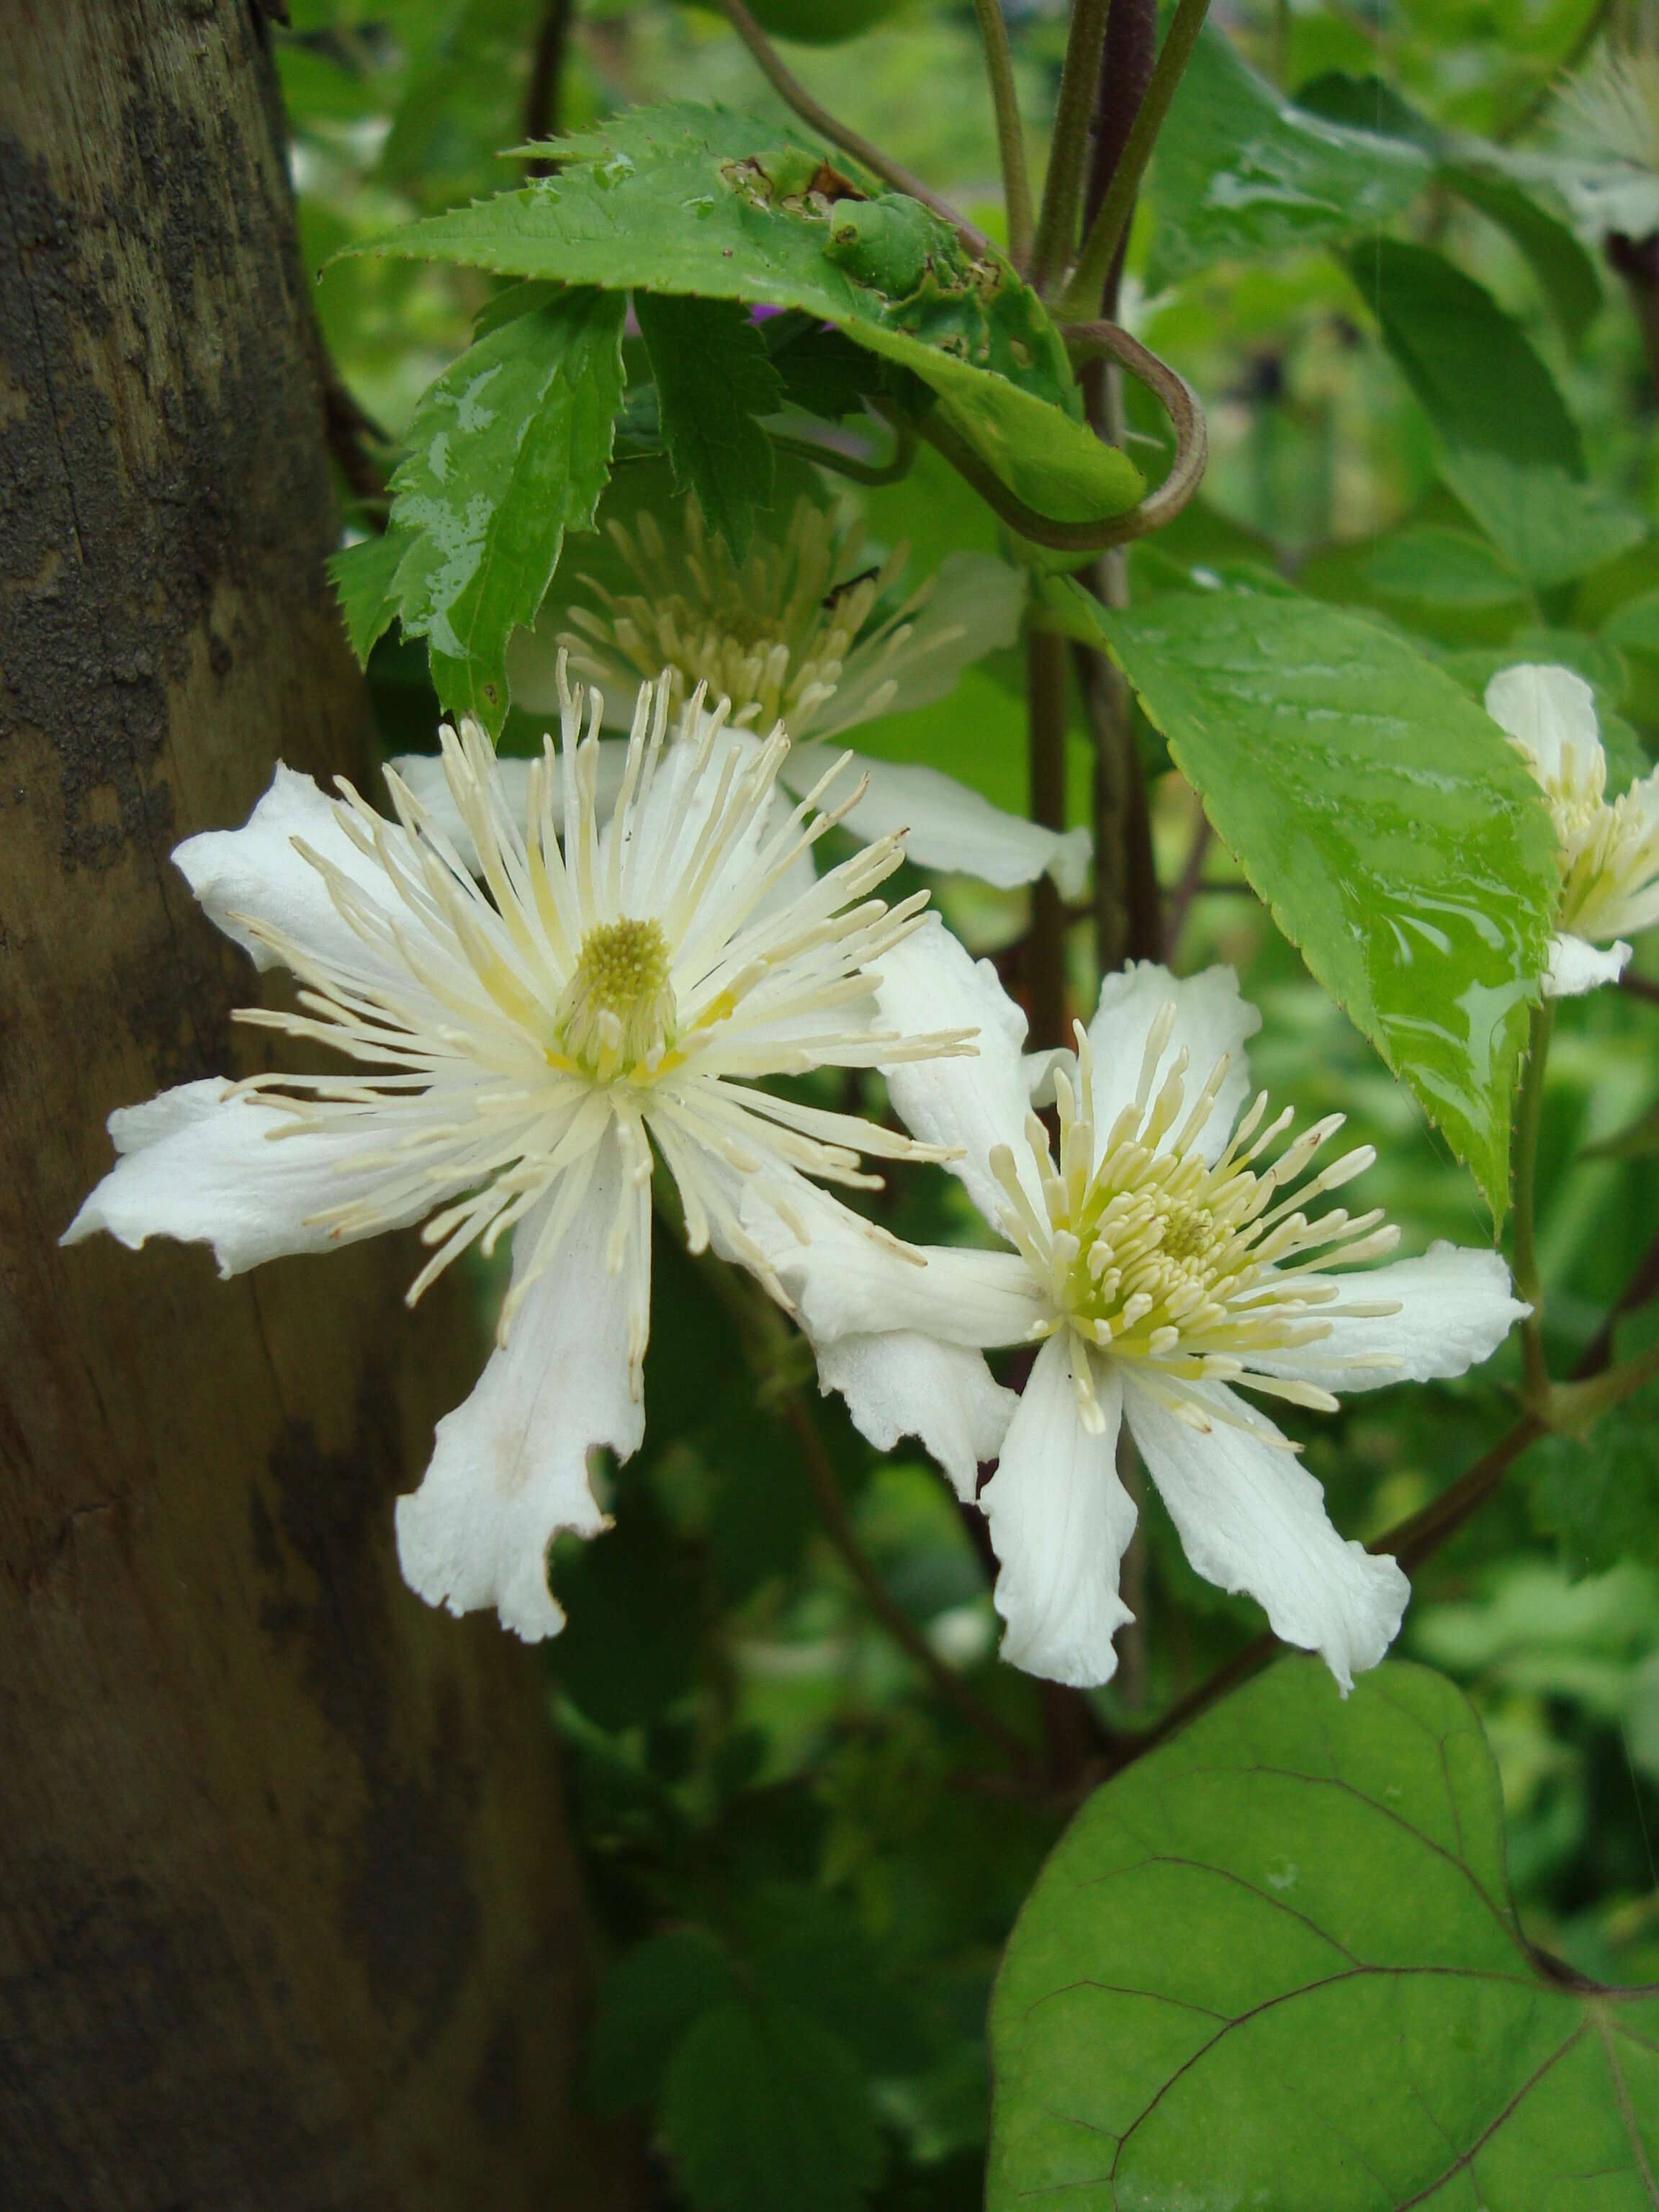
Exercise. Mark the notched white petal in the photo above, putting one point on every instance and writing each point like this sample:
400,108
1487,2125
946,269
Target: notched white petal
1251,1518
951,828
1577,966
208,1164
1060,1522
510,1468
1550,712
1209,1020
906,1384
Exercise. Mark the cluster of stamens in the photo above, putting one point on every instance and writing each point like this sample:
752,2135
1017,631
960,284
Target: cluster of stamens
771,633
617,1011
1195,1270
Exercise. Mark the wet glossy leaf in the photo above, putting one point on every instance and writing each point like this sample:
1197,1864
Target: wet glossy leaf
1276,1964
690,199
1240,172
510,448
714,381
1397,839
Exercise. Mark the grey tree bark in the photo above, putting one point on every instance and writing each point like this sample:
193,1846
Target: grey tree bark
288,1915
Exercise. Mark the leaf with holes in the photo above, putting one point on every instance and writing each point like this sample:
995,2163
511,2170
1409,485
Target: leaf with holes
683,198
1391,828
1276,1964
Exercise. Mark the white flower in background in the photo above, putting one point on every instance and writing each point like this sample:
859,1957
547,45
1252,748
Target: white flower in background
1607,121
795,632
521,1041
1162,1267
1609,854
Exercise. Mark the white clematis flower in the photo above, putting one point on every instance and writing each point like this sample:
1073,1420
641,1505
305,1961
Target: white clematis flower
1609,854
1163,1268
783,637
528,1018
1607,121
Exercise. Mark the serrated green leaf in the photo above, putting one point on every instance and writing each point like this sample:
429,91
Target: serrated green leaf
365,576
1482,384
1397,838
762,2107
649,2001
1240,172
1276,1964
681,198
510,448
714,381
1548,525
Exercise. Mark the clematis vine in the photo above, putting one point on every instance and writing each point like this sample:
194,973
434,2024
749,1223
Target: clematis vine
526,1019
1163,1265
799,631
1609,854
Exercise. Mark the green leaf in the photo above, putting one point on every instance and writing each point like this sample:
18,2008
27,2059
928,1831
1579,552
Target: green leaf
1547,525
1276,1964
714,379
1598,1494
763,2107
365,576
649,2001
1240,172
1398,839
682,198
1482,384
510,448
1563,272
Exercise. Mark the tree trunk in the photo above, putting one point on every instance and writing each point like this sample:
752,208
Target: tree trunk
287,1916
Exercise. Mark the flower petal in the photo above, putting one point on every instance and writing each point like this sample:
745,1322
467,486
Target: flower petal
1251,1517
906,1384
207,1164
1551,714
1060,1520
853,1278
1455,1309
1577,966
255,871
1211,1020
510,1467
950,826
970,606
979,1100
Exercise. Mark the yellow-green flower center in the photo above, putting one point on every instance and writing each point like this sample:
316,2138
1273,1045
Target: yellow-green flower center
771,633
617,1011
1152,1252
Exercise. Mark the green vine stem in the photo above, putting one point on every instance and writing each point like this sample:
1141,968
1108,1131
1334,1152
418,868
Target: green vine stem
860,471
1062,187
1011,136
1158,508
1087,282
790,90
1528,1112
1046,683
